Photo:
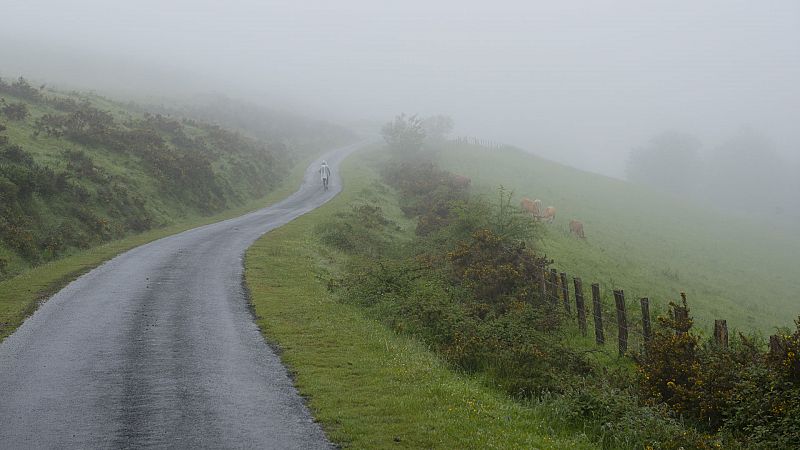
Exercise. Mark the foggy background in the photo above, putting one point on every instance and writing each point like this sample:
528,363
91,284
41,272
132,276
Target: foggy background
582,83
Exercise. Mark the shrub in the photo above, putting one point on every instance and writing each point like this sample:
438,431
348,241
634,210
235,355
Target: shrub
404,135
80,163
615,416
16,154
497,271
740,391
86,125
764,407
22,89
669,367
364,229
65,104
15,111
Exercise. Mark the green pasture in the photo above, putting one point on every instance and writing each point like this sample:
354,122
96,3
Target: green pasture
649,244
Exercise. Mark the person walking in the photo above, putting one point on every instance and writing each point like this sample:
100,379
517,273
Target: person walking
325,174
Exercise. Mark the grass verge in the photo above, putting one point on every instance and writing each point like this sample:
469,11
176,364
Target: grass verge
22,294
369,387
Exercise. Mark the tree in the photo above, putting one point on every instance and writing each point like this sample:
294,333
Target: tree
437,127
746,173
405,135
670,161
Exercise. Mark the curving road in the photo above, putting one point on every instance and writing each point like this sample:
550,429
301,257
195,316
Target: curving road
158,347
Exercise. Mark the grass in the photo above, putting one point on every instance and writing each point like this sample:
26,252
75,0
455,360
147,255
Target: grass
48,150
21,295
650,244
369,387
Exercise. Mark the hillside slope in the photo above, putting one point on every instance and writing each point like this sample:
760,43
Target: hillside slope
77,170
647,243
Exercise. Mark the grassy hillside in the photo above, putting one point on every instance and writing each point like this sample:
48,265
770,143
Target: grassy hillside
20,295
650,244
78,170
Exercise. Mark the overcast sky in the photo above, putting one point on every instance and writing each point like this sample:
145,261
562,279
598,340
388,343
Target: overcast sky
580,82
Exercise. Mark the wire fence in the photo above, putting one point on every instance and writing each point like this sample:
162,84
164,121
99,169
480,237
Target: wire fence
611,315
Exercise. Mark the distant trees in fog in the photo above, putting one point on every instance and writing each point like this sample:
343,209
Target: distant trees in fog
744,172
404,135
670,161
437,127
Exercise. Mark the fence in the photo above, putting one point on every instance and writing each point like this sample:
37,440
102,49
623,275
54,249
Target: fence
630,329
488,143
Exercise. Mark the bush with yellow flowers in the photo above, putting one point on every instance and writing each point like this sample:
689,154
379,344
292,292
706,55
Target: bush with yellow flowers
741,391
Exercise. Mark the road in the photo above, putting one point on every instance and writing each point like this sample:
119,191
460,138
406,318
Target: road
158,348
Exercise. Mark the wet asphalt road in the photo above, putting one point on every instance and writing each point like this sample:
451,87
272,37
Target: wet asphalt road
158,348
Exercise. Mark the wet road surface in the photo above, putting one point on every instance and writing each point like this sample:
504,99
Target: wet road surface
158,348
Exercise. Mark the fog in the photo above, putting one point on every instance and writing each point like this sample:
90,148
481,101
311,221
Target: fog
579,82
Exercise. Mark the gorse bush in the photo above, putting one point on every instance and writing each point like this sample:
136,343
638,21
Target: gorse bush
22,89
741,391
14,111
22,180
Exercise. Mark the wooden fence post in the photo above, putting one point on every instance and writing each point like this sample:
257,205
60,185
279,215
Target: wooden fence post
565,291
721,333
777,346
542,282
646,331
597,310
622,321
580,305
681,316
554,285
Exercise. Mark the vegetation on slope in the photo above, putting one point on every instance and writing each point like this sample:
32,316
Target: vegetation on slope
455,271
367,385
649,244
20,295
464,283
78,170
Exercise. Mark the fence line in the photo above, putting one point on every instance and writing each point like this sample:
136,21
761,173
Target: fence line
554,287
488,143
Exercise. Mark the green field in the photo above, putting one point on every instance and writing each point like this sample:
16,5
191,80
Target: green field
369,387
647,243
